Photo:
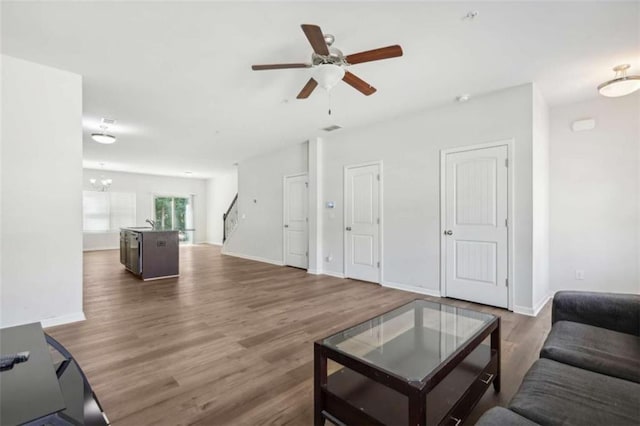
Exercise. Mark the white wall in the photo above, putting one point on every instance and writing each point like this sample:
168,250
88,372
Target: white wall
540,231
41,194
145,187
594,196
220,192
260,198
410,150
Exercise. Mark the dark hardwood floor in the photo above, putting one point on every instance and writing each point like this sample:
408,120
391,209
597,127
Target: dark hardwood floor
230,341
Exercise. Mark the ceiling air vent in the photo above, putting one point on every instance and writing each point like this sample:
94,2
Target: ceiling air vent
331,128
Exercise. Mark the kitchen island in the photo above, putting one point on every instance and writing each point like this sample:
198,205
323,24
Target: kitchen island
149,253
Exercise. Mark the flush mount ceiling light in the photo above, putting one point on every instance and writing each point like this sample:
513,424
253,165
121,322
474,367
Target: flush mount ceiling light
622,84
103,137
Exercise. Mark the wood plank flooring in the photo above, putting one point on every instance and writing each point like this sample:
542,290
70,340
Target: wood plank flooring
229,342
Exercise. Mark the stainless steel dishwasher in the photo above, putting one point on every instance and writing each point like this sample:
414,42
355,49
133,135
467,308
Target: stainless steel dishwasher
134,263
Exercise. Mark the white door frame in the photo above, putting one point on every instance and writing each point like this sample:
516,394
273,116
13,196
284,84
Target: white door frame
510,144
380,210
284,207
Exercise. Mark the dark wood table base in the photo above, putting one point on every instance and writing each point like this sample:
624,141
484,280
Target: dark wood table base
360,393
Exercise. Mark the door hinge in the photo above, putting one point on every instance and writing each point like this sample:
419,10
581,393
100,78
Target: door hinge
378,177
506,222
306,184
378,264
306,254
378,221
506,282
506,162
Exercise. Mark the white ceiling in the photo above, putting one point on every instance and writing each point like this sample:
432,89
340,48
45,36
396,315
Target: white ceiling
176,75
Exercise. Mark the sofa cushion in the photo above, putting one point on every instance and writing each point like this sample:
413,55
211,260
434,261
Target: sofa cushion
558,394
498,416
614,311
593,348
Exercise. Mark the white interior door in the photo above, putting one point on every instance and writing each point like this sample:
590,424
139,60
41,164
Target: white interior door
362,223
296,240
475,227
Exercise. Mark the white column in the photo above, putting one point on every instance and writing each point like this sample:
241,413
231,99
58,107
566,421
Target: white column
315,206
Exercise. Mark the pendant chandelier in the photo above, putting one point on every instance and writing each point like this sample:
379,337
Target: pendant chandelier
102,184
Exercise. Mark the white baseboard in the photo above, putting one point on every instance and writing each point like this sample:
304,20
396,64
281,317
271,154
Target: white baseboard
101,248
411,288
63,319
256,258
314,271
212,243
333,274
533,312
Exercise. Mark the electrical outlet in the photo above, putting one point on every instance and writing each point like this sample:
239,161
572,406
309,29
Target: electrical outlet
579,274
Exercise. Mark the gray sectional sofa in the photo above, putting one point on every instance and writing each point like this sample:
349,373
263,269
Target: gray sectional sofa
589,367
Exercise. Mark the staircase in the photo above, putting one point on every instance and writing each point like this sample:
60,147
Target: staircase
230,219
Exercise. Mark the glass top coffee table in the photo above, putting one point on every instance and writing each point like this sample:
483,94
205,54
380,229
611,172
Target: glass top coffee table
421,363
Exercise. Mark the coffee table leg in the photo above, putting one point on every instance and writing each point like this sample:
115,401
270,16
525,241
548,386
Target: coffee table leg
319,380
495,345
417,410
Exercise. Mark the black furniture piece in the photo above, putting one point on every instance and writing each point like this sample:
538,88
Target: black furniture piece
49,388
589,370
421,363
30,389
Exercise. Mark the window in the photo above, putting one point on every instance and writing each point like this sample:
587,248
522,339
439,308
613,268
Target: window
108,211
175,213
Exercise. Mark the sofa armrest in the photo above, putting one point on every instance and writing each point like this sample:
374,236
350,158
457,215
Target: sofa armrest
613,311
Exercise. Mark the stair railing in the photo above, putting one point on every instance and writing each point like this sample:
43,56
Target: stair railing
230,219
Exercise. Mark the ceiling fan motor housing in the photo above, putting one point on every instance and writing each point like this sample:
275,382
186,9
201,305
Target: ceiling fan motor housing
335,57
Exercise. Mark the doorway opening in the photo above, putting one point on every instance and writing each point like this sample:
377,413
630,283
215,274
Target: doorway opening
175,213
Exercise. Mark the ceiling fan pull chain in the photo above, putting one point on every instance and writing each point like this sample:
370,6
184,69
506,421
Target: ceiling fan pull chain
329,93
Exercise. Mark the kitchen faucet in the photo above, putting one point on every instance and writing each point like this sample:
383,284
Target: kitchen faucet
151,222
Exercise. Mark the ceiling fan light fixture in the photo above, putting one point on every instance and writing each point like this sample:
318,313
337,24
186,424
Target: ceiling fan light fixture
328,75
103,138
621,85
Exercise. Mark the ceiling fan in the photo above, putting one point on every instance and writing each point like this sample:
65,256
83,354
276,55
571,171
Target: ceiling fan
330,63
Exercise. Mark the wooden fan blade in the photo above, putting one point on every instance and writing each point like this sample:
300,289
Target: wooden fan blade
316,38
278,66
307,89
375,55
358,83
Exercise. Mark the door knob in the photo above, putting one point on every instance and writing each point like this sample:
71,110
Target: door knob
448,232
348,228
286,226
